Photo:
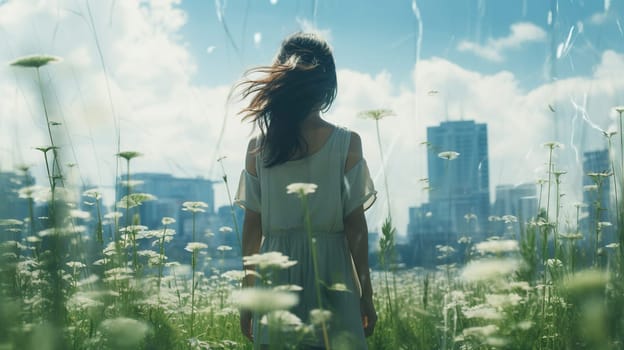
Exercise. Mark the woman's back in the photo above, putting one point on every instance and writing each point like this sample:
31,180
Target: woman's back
323,167
298,146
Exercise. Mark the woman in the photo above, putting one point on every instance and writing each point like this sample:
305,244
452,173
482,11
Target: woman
297,145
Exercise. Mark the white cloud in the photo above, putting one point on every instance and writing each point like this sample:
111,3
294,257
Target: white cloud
177,123
521,33
310,27
257,39
518,121
599,18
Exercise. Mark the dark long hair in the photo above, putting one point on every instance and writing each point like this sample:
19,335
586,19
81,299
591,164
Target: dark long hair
302,79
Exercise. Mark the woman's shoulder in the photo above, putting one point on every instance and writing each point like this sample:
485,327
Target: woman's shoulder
345,131
350,137
253,152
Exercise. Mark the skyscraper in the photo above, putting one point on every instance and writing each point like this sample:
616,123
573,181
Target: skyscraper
519,201
460,194
11,206
171,193
596,190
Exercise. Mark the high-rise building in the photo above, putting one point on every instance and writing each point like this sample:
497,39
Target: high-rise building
11,206
171,192
596,190
460,194
512,208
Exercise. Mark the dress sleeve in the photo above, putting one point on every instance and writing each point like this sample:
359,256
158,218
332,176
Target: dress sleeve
358,188
248,194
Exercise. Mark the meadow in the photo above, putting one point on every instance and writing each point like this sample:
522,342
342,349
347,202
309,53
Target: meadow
72,279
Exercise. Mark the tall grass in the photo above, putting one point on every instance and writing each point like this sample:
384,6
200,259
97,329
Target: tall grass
69,280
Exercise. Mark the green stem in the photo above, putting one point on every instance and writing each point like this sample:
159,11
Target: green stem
383,167
548,192
50,176
193,263
556,228
615,188
99,228
597,228
311,240
55,163
620,223
162,260
232,212
128,191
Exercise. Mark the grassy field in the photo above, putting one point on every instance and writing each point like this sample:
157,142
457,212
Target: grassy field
71,280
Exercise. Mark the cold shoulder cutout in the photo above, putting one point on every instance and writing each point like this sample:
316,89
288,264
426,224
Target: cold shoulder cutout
338,193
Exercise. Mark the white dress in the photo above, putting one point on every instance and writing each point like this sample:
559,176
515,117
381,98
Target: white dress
338,194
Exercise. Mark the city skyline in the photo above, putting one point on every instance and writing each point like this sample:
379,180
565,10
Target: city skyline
158,74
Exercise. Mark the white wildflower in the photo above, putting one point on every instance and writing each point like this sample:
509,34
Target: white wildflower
224,248
484,331
225,229
131,183
79,214
33,239
448,155
133,228
35,192
502,300
195,246
288,288
282,320
194,207
10,222
525,325
75,264
167,220
482,312
464,240
318,316
484,270
233,275
264,300
134,199
554,263
497,247
269,260
508,219
93,193
88,280
113,215
470,217
589,188
339,287
552,145
301,188
122,332
376,114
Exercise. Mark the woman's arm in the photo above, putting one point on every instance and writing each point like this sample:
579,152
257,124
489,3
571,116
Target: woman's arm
356,231
357,237
252,224
252,238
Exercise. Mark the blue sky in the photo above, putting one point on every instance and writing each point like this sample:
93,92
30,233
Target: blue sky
374,36
161,71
